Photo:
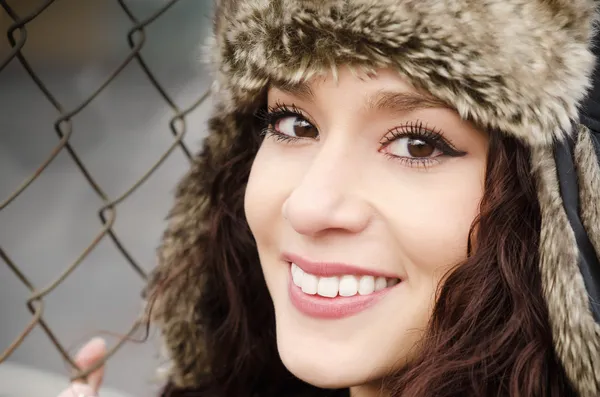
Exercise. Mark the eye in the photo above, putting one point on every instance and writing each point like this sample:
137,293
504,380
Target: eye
417,145
413,148
295,127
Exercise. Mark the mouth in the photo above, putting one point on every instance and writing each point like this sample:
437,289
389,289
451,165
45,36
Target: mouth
335,291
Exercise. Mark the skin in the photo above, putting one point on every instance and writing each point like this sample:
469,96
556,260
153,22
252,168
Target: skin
338,195
86,358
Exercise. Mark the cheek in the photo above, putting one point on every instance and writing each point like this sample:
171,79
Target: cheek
272,178
270,181
259,196
432,220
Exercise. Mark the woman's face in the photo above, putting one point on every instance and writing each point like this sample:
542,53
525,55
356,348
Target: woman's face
360,198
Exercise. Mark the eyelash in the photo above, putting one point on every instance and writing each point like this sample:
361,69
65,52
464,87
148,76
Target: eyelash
419,130
275,113
411,130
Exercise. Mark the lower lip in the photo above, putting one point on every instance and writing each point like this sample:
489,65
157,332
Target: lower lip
332,308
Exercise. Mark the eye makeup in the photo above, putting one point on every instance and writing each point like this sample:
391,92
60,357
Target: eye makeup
415,132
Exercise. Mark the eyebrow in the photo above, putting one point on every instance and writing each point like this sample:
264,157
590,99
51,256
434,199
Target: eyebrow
301,90
397,102
382,100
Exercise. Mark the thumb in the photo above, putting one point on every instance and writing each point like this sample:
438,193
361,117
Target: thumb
90,354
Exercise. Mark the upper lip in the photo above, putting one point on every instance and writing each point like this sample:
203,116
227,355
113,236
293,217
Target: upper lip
329,269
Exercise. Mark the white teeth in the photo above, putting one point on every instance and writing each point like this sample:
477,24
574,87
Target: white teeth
380,283
347,285
328,286
310,283
366,285
297,275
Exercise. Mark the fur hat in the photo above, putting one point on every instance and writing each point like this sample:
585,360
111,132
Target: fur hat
522,67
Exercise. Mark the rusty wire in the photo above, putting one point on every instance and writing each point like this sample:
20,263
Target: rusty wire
17,37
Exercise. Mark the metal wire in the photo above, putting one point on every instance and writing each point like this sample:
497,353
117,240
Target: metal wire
17,37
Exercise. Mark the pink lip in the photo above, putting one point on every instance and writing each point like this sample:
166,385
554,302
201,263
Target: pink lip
332,308
327,269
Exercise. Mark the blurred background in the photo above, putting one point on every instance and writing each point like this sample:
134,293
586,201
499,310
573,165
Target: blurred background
73,47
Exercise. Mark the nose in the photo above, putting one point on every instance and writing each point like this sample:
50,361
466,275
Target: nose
328,198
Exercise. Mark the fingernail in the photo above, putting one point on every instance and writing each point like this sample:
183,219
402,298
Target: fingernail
97,341
93,344
78,389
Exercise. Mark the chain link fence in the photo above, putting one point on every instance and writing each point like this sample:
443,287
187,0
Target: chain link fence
16,19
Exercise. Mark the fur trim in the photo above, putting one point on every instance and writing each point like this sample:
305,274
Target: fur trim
523,75
588,172
576,335
175,286
179,281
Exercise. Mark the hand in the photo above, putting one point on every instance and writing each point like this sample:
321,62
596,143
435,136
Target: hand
92,352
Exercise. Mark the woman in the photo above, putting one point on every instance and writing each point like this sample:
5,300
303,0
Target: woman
412,179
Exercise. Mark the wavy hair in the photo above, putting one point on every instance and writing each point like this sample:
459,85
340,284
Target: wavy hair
489,334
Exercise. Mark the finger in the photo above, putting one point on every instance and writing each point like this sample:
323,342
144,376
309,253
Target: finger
90,354
77,390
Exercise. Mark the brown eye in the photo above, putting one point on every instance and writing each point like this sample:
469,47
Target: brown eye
413,148
419,148
296,127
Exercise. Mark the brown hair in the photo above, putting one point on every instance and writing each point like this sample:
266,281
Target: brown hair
489,334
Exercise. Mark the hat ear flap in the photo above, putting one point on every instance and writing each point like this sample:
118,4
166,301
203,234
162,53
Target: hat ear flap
586,154
565,257
205,245
587,166
175,285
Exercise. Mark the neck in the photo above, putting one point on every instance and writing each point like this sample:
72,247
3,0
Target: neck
368,390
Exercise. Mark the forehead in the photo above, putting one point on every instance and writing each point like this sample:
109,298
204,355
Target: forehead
384,90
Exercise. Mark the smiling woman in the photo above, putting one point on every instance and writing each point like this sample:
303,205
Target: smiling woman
377,210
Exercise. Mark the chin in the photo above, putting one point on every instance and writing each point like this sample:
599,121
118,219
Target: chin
324,372
325,357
